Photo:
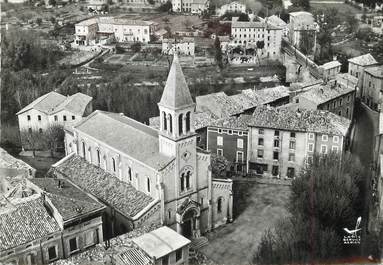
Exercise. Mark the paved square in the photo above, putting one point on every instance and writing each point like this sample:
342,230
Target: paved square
256,207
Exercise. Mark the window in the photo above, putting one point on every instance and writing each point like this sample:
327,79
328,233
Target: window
55,117
30,259
98,157
323,149
73,117
292,145
311,136
129,174
201,202
165,260
291,157
290,172
30,130
261,131
219,152
276,143
239,156
276,133
260,141
311,147
239,143
240,133
219,140
28,117
52,253
219,205
148,184
169,214
90,237
39,117
260,153
64,118
335,139
334,148
324,137
40,130
178,254
114,164
292,135
73,244
275,155
230,132
219,130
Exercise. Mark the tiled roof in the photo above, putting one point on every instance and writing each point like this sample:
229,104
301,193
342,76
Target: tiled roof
179,40
305,120
75,104
134,256
266,95
118,194
239,123
68,200
131,137
10,162
321,93
26,222
201,120
277,21
376,71
330,65
176,93
53,102
366,59
219,104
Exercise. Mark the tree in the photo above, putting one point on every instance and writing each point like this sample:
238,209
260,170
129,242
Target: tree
352,23
307,42
31,140
243,17
54,137
151,2
187,23
136,47
52,2
325,198
219,166
260,44
166,7
365,34
218,52
39,21
305,4
377,51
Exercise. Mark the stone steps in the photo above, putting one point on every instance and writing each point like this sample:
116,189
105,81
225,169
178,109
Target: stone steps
198,243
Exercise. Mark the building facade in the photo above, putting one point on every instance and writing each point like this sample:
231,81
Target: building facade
281,141
300,22
372,86
190,6
330,70
233,7
165,165
184,46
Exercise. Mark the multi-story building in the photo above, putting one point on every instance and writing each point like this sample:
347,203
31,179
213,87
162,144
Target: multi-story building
165,165
281,141
301,22
190,6
100,29
183,46
55,220
53,108
330,70
356,65
372,87
233,7
278,22
247,34
334,97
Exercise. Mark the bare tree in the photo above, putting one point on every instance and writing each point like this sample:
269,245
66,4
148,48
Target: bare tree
31,140
187,23
54,137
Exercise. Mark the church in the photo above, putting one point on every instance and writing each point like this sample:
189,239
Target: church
145,174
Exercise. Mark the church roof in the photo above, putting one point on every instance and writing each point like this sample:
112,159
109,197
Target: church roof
125,135
176,92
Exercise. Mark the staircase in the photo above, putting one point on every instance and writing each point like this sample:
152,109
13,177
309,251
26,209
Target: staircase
198,243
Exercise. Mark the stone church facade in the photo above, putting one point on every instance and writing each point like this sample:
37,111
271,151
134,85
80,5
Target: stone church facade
165,164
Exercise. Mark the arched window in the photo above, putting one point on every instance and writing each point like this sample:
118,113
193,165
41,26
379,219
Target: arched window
90,154
98,157
182,181
188,122
83,149
130,174
188,180
148,184
180,118
170,123
114,164
219,205
165,125
169,214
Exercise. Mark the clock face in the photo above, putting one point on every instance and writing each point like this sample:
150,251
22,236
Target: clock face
186,155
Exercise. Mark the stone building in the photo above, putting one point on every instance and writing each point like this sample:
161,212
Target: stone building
185,46
190,6
372,87
356,65
281,141
165,165
233,7
300,22
330,70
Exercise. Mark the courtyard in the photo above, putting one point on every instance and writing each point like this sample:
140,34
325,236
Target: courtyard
256,208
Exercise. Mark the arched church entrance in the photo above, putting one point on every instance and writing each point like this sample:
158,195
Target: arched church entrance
189,223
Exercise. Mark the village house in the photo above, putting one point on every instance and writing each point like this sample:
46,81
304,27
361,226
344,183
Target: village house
52,109
247,34
372,87
330,70
102,30
278,22
333,97
356,65
165,165
184,46
219,104
96,4
190,6
46,220
300,22
233,7
281,141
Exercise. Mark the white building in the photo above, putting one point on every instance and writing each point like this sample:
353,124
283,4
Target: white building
54,108
94,30
278,22
330,70
233,7
190,6
247,34
183,46
356,65
299,22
